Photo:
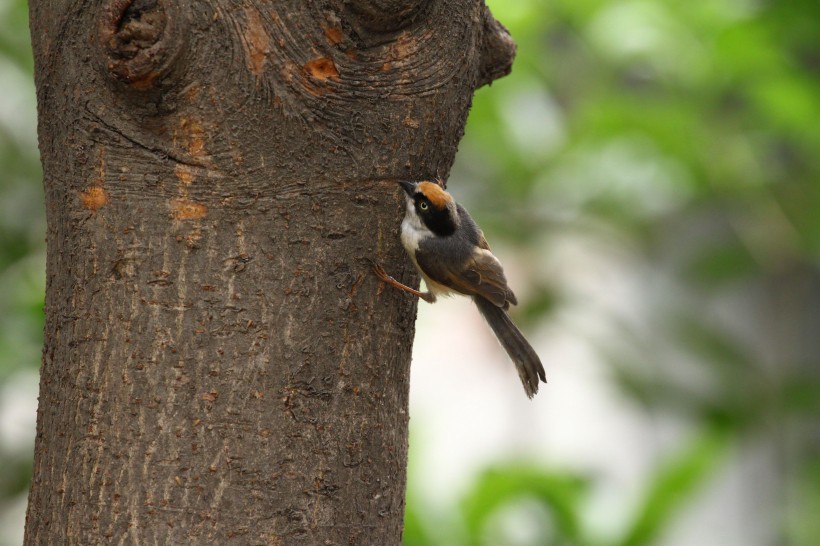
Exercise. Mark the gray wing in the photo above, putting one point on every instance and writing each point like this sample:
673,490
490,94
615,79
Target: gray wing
478,274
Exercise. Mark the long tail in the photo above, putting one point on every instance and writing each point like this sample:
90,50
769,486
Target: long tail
521,352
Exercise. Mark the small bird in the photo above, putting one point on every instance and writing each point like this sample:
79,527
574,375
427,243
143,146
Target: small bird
453,257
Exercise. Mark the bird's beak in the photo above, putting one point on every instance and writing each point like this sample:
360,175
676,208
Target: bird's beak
408,186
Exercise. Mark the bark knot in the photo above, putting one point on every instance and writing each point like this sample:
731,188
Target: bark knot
497,50
140,40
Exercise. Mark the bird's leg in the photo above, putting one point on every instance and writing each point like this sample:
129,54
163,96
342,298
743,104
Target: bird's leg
382,274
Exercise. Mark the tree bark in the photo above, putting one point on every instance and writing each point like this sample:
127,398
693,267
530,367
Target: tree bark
220,367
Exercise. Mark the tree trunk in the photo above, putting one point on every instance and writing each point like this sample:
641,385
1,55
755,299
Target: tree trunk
220,366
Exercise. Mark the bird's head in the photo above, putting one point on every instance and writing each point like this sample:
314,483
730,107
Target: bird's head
431,206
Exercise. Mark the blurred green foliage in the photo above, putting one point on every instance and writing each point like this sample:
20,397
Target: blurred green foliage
563,499
683,135
22,218
22,266
681,138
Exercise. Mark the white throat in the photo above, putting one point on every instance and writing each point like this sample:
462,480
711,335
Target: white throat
413,230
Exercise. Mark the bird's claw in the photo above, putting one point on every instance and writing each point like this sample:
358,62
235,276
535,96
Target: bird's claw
380,272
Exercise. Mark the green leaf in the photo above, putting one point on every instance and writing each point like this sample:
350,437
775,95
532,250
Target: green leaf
675,484
559,493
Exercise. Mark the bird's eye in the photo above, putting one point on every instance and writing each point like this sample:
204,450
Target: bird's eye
423,206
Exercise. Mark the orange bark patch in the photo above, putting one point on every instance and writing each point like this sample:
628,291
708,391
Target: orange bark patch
334,35
93,198
257,42
321,69
437,196
192,133
182,209
403,47
192,92
146,81
184,174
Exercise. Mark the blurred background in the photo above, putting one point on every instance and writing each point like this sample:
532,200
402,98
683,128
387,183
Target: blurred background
650,176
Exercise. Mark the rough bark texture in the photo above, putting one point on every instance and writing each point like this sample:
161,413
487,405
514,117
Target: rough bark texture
220,367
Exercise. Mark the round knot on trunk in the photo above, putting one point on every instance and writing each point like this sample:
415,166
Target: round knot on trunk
497,50
141,40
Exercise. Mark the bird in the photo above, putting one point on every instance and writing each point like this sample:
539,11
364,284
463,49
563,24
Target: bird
451,253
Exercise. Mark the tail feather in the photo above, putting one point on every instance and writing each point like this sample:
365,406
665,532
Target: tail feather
529,366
